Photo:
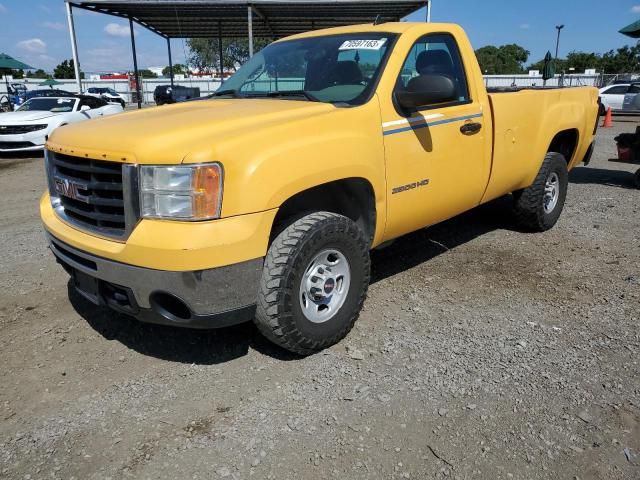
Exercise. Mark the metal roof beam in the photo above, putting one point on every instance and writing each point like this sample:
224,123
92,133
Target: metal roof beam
262,16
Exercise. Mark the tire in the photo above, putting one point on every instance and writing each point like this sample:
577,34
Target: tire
535,211
636,179
293,267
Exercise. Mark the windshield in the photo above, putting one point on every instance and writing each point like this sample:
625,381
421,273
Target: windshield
331,69
55,105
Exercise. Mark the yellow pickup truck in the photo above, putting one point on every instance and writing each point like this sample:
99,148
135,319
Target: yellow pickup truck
263,201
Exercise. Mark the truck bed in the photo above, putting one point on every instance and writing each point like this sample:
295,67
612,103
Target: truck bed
522,128
515,89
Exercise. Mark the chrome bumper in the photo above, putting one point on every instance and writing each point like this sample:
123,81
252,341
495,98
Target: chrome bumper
213,298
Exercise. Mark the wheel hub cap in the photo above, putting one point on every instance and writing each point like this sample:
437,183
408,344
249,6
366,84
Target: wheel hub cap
551,192
324,286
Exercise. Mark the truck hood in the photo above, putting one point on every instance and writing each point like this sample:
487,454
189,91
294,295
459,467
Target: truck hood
13,118
167,134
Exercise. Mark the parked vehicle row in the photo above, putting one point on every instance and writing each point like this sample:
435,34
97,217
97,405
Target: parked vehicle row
107,94
621,97
167,94
29,127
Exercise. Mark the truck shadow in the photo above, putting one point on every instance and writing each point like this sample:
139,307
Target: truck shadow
209,347
200,347
421,246
602,176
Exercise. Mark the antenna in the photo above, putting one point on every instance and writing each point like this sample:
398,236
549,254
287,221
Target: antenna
378,20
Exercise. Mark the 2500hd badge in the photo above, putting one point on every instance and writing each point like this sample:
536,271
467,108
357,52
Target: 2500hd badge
410,186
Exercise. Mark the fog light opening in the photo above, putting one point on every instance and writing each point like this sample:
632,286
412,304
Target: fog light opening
170,307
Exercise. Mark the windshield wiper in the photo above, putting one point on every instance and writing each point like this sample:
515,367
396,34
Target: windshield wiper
293,93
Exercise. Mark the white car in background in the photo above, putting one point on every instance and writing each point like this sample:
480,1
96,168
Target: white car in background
108,94
619,97
29,127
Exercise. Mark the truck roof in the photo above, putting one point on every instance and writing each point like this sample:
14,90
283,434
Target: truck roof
393,27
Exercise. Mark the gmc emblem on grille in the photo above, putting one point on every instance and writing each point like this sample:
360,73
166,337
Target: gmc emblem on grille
69,189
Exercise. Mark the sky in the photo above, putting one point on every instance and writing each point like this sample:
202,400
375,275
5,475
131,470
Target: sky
35,31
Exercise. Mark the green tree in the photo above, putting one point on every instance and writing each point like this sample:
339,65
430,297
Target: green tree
146,73
560,65
66,70
38,74
178,69
503,60
204,52
622,60
14,73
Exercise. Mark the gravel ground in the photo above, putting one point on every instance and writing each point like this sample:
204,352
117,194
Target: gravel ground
482,352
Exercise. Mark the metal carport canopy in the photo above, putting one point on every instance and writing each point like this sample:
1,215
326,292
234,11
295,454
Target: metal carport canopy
271,18
236,18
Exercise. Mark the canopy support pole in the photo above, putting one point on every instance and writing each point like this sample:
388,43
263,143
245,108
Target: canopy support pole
250,27
170,60
136,74
428,11
220,52
74,45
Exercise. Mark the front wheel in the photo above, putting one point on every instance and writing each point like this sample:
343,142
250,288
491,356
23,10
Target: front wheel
538,207
314,282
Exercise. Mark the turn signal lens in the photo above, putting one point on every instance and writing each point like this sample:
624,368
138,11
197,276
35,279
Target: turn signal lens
190,192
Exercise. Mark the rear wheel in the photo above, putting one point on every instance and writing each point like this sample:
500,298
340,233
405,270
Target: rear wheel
538,207
636,179
314,283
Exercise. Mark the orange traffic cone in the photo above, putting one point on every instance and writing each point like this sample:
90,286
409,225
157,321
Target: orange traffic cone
608,119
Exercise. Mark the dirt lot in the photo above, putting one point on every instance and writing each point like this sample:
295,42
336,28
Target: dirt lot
482,353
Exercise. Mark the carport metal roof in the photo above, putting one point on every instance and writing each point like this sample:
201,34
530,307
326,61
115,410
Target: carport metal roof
271,18
237,18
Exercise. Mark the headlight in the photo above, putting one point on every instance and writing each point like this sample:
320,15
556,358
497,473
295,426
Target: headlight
190,192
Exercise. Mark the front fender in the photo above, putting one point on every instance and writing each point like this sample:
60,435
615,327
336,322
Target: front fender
265,167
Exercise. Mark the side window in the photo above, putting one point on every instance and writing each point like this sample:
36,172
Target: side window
90,102
617,90
634,89
435,54
99,102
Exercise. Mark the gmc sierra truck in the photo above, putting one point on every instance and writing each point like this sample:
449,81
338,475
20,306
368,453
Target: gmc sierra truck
263,201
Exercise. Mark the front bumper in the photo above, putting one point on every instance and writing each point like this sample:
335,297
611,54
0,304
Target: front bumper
23,142
210,298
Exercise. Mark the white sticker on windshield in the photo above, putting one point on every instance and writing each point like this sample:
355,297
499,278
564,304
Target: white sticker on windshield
363,44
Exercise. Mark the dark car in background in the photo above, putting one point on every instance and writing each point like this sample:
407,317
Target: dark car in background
164,94
49,92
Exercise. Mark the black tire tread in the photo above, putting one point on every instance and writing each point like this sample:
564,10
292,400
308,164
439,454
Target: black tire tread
289,243
527,209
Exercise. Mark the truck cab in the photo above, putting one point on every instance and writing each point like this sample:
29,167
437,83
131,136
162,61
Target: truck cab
263,202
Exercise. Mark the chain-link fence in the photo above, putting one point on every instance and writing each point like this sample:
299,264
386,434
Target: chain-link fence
210,85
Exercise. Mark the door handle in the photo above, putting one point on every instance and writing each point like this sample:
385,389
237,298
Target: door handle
471,128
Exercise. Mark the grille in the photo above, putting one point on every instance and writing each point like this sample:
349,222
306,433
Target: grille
95,200
20,129
14,145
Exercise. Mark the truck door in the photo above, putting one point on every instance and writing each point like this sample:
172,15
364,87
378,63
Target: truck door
437,157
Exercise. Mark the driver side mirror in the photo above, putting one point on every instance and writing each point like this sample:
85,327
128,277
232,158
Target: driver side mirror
84,108
426,90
